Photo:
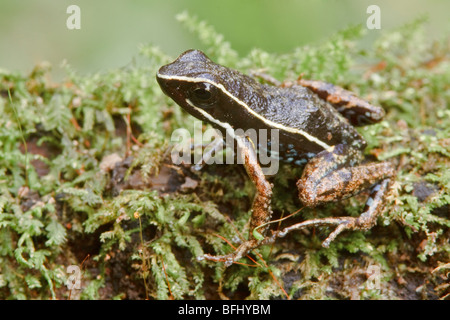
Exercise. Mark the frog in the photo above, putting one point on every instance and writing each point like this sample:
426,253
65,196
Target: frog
317,128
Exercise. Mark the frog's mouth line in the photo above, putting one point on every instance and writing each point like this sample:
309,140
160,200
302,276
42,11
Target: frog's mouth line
250,110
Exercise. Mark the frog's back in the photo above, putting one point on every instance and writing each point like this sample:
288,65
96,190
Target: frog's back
306,122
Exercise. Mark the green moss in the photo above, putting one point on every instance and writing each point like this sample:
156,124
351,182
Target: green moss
135,226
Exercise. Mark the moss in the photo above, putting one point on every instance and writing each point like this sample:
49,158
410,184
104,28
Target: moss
85,180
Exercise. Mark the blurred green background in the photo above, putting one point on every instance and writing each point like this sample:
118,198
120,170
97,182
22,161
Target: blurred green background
35,31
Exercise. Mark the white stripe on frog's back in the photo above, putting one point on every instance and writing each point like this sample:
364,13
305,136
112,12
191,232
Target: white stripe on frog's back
250,110
224,125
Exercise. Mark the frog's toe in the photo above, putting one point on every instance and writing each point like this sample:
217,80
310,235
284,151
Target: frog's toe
344,224
233,257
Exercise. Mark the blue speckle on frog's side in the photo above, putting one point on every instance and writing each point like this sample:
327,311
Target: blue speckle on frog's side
300,162
290,155
293,153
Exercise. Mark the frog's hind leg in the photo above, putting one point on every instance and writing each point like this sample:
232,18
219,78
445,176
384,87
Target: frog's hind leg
329,177
358,111
365,221
335,174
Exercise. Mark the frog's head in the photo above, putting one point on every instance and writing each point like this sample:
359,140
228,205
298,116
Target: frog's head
206,90
190,79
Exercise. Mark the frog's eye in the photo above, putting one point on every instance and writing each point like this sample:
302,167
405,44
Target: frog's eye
203,94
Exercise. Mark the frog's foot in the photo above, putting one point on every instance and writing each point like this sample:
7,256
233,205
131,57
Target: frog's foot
365,221
342,223
240,252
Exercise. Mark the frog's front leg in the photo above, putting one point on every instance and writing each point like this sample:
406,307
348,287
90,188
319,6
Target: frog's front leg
261,210
333,175
207,155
